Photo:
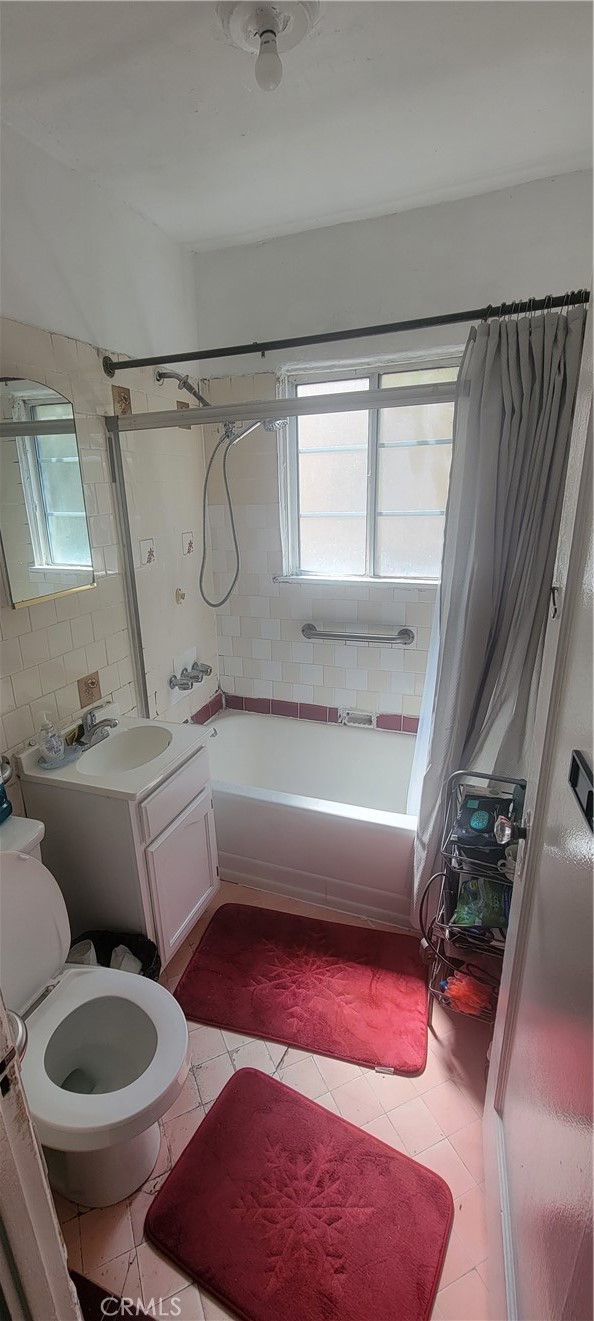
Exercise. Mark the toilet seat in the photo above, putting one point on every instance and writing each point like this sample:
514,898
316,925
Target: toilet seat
123,1035
71,1121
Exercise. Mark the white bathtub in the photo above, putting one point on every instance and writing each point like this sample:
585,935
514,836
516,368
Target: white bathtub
315,811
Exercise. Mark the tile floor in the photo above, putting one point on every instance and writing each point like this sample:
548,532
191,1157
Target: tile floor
435,1118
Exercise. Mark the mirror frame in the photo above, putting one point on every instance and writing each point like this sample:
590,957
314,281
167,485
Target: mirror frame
12,431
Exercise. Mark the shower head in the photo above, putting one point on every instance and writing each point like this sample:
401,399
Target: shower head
184,383
274,423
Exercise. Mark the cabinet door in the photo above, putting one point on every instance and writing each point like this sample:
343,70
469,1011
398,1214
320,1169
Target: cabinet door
183,872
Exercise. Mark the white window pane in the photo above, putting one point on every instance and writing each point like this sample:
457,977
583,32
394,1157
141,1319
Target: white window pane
333,387
47,412
57,447
333,545
417,422
413,477
69,539
332,429
333,483
430,376
410,546
324,429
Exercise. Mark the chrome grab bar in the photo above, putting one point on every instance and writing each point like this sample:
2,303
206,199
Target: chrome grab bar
403,638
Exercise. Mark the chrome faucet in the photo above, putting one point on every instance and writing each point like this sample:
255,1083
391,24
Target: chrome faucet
182,680
188,678
95,730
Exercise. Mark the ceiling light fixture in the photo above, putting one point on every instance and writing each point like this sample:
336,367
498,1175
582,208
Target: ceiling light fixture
267,31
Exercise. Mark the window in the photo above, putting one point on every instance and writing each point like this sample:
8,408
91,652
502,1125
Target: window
366,491
52,484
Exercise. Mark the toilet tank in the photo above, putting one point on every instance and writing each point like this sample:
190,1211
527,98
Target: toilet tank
20,834
34,932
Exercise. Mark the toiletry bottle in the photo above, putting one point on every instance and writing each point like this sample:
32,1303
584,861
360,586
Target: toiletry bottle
5,805
50,742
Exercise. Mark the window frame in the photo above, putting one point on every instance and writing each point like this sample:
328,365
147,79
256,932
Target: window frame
288,456
35,499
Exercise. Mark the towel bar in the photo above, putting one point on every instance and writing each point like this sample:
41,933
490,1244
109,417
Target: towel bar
403,638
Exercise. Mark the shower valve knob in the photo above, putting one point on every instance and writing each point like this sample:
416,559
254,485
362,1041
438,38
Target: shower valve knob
508,832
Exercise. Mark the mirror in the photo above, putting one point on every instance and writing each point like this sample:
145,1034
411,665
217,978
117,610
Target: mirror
44,531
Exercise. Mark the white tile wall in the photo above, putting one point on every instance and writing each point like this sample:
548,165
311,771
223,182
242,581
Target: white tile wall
164,474
45,648
262,652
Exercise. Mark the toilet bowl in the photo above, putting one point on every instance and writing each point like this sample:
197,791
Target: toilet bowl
107,1052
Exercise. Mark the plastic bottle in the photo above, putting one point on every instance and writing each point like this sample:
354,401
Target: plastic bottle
5,805
50,742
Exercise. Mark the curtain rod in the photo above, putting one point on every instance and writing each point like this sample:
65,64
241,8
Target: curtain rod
110,367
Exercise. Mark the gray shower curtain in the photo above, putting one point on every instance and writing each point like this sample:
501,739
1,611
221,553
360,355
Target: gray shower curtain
512,424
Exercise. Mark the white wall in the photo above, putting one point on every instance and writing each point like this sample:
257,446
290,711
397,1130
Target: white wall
46,648
75,261
530,240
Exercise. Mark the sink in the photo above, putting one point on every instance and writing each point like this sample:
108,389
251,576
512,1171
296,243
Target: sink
125,750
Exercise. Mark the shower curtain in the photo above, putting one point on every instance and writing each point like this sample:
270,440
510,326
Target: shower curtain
512,424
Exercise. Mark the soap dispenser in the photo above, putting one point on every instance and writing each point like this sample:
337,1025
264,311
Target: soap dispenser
50,742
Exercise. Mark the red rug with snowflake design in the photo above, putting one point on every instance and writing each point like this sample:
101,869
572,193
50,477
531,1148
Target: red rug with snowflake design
352,992
286,1212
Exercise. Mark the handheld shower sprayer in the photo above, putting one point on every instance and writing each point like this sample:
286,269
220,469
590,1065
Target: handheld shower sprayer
229,438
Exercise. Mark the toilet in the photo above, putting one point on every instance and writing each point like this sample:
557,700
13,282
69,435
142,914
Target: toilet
107,1051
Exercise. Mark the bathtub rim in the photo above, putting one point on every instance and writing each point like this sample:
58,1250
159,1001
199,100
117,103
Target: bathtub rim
372,816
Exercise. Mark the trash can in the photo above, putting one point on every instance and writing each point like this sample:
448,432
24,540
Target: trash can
144,949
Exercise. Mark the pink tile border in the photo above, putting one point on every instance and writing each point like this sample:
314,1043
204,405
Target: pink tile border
388,721
305,711
277,708
261,705
232,702
209,710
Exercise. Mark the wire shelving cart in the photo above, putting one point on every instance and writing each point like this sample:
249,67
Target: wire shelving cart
466,936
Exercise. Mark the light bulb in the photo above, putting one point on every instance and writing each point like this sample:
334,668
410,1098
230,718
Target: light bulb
269,69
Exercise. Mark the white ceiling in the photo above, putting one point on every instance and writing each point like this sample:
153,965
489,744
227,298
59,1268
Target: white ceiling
385,106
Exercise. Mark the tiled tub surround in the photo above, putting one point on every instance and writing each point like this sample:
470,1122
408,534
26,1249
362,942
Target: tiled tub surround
315,811
164,475
324,715
262,652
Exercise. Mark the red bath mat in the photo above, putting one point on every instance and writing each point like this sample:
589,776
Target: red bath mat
283,1210
350,992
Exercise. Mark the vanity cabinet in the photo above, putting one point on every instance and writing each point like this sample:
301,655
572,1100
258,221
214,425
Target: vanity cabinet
182,870
143,861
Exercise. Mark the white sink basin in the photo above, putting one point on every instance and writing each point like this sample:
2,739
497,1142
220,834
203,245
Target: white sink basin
125,750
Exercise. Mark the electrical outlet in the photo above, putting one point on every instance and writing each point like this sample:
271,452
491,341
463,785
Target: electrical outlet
89,689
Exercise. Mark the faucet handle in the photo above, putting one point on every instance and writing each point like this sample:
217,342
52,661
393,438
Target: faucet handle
199,670
190,676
